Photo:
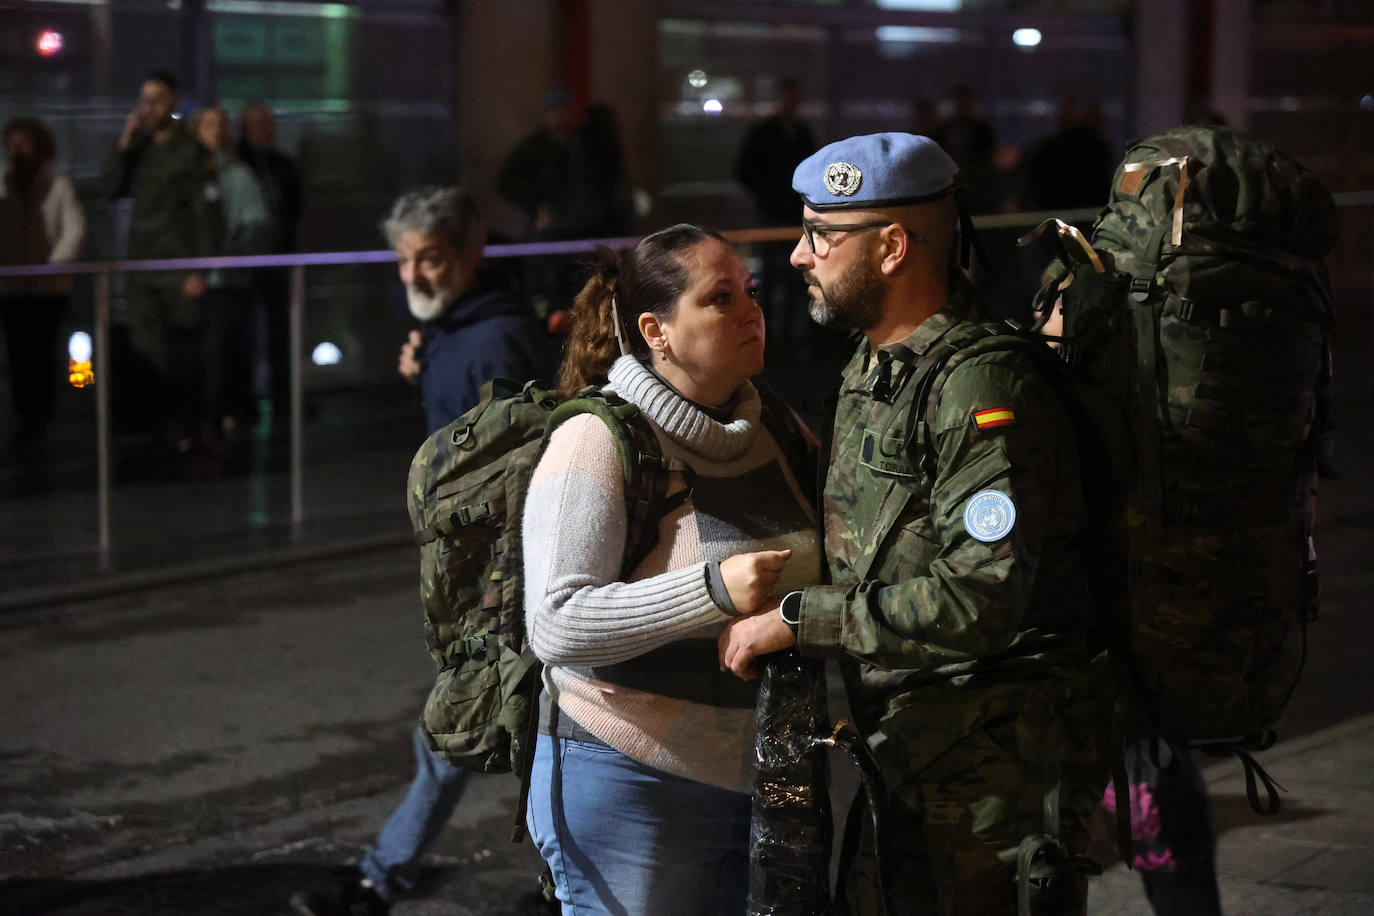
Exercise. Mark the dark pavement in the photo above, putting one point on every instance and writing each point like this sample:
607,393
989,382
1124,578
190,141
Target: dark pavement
182,737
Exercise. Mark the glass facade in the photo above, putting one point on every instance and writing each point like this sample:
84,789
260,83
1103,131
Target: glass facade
889,65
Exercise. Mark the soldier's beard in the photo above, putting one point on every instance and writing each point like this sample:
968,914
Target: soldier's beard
428,307
855,298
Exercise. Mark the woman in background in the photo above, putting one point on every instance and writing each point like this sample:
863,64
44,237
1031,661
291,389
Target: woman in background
41,222
230,302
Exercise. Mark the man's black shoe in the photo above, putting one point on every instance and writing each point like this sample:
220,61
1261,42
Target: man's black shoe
351,897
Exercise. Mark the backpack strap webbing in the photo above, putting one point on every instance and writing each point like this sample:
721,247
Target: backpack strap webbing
939,363
644,468
1145,315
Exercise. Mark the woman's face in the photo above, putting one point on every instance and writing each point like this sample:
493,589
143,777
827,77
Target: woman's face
714,341
213,128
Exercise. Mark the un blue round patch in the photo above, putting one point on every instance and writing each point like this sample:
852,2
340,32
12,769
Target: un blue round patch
989,515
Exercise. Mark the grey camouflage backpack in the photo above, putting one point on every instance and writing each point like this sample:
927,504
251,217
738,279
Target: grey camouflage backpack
1200,307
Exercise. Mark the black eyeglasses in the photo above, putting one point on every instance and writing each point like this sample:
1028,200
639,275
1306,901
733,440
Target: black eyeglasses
826,231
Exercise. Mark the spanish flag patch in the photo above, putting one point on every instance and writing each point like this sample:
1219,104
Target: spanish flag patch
994,417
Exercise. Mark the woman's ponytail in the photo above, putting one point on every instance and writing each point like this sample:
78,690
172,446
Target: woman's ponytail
592,345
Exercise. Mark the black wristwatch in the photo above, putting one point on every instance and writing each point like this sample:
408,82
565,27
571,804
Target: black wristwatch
790,609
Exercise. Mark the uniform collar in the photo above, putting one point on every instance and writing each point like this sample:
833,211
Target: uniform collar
915,344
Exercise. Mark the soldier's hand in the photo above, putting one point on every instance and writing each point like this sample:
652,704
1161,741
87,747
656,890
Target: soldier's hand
409,363
750,577
746,638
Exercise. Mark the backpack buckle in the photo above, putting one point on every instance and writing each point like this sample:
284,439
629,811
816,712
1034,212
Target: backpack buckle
1140,288
466,515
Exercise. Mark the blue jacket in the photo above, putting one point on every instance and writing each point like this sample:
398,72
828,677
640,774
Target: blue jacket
485,334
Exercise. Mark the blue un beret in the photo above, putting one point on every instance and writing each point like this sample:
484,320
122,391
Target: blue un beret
875,170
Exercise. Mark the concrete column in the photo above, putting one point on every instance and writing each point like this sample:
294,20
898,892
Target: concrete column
1231,60
624,74
1161,64
509,55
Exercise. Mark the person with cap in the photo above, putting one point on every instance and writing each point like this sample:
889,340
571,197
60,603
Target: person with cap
534,174
957,603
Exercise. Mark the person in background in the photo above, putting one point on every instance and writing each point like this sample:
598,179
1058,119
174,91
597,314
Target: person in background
770,150
598,195
176,214
230,302
968,139
41,222
281,182
640,791
1072,167
534,174
473,330
472,327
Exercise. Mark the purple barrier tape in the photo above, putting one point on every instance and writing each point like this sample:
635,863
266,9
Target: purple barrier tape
317,259
527,249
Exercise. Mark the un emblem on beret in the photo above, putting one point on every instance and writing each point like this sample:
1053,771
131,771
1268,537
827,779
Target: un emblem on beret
843,179
989,515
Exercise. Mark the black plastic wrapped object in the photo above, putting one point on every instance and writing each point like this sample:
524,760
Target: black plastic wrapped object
790,832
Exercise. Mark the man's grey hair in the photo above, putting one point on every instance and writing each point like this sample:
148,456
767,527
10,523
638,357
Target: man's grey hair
449,212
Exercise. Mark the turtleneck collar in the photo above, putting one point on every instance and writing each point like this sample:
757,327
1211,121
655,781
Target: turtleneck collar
684,421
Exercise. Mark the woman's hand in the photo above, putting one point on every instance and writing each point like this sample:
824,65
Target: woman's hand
746,638
750,577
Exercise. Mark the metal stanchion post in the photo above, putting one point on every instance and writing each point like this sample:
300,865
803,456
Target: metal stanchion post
297,395
102,409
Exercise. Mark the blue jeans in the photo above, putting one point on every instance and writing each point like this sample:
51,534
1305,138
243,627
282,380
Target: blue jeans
625,839
392,862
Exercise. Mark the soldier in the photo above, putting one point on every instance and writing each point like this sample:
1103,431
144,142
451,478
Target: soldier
176,214
958,601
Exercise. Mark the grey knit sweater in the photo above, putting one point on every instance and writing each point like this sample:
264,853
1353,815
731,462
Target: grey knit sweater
634,663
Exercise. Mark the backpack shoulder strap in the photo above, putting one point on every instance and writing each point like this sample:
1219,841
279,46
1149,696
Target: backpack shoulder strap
938,364
642,463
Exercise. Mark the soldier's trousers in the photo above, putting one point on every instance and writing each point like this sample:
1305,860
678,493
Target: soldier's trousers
951,831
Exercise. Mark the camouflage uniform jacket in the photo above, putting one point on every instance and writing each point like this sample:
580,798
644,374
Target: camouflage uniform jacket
177,212
915,599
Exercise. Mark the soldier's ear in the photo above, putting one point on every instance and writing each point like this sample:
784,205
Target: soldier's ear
895,247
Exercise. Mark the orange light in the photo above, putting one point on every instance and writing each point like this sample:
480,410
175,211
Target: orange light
49,43
80,374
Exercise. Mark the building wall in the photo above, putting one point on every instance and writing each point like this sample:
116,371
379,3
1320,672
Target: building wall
508,56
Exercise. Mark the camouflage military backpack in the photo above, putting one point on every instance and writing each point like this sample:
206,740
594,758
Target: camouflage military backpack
466,493
1200,307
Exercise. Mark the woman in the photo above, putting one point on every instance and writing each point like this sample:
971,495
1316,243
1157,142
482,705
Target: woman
639,799
41,222
231,316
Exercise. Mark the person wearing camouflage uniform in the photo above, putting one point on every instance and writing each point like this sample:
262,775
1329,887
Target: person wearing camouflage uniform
958,603
177,213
